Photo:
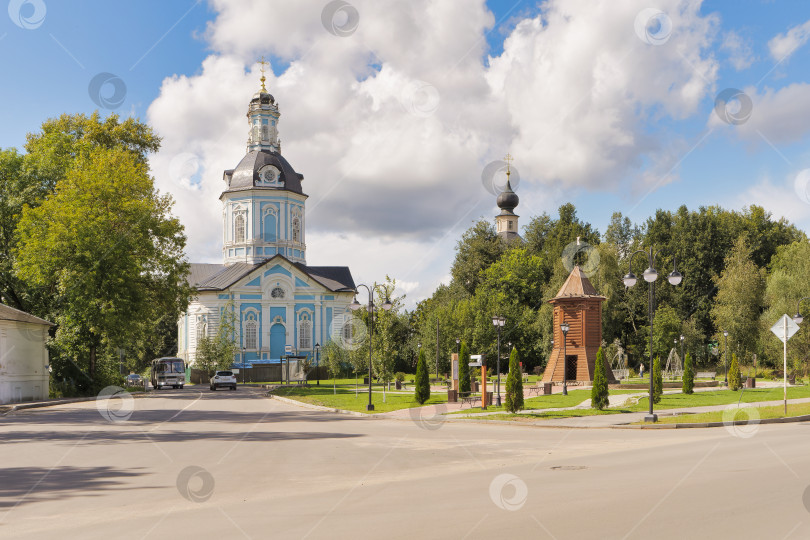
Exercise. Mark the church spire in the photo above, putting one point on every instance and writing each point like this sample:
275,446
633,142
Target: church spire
507,220
263,117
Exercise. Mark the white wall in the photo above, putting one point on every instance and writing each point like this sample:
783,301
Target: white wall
23,362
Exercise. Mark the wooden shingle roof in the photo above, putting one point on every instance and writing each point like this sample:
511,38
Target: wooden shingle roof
578,286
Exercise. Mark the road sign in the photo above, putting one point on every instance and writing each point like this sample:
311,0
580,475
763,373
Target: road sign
785,328
478,359
288,349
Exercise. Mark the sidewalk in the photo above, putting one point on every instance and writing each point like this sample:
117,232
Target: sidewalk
435,412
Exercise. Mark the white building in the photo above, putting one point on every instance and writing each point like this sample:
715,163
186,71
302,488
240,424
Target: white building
277,299
23,356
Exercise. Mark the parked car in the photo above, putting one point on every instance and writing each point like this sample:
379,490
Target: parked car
133,379
223,379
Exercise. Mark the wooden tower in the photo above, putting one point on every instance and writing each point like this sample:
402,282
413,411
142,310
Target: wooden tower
580,306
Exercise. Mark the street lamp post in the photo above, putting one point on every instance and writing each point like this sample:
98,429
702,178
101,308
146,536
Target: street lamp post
317,365
682,358
564,328
725,354
243,366
650,275
498,322
798,319
355,305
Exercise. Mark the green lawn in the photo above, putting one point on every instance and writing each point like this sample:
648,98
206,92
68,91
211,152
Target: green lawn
721,397
346,399
778,411
553,401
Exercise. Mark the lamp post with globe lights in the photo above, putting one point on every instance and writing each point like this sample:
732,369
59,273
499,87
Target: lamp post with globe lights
564,328
355,305
798,319
650,275
498,322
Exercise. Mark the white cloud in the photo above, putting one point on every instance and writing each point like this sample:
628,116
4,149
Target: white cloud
782,46
392,125
739,50
779,116
783,200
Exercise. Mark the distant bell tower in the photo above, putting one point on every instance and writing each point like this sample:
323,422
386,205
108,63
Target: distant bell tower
507,221
263,119
263,205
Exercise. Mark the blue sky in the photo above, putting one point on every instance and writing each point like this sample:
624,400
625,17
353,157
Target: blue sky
49,67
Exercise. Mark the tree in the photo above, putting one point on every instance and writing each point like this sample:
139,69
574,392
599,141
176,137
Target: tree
105,246
479,247
688,375
334,356
740,290
421,384
464,368
734,382
600,395
658,381
514,384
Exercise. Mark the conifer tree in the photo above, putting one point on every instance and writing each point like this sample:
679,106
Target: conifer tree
734,374
514,384
658,382
464,369
600,393
422,384
688,375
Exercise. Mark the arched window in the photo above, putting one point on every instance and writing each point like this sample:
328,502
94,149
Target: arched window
296,230
277,292
251,331
269,225
304,332
265,133
239,228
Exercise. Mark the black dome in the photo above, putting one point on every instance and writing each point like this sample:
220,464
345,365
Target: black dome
508,199
246,174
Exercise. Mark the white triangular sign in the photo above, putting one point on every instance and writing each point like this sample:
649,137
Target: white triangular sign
779,328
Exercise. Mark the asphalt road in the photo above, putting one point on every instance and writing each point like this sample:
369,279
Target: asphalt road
197,464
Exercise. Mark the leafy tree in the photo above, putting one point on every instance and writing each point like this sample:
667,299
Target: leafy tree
734,382
600,395
479,247
688,375
464,368
658,381
334,356
514,384
421,384
105,246
740,292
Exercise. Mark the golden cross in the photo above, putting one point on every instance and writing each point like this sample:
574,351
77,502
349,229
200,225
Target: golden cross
508,159
263,63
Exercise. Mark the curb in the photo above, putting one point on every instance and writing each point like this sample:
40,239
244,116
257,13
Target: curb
788,420
40,404
320,407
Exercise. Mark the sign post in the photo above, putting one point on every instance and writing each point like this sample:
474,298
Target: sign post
478,361
784,330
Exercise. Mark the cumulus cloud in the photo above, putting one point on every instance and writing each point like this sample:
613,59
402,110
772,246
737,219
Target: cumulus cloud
782,46
777,115
392,124
739,50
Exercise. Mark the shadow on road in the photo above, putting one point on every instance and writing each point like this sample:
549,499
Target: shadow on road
22,485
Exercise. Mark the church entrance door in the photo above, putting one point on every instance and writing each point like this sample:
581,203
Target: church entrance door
277,341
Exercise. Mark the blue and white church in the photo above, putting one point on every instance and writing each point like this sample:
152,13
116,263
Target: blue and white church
278,300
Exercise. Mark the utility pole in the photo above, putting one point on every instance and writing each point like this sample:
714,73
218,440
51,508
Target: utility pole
437,349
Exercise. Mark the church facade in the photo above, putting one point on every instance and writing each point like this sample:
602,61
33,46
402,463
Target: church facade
274,299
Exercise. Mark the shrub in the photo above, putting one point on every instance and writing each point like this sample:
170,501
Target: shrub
658,383
734,374
514,384
422,384
600,393
399,376
464,369
688,375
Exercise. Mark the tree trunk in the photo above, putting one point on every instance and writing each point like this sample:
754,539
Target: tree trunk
92,361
